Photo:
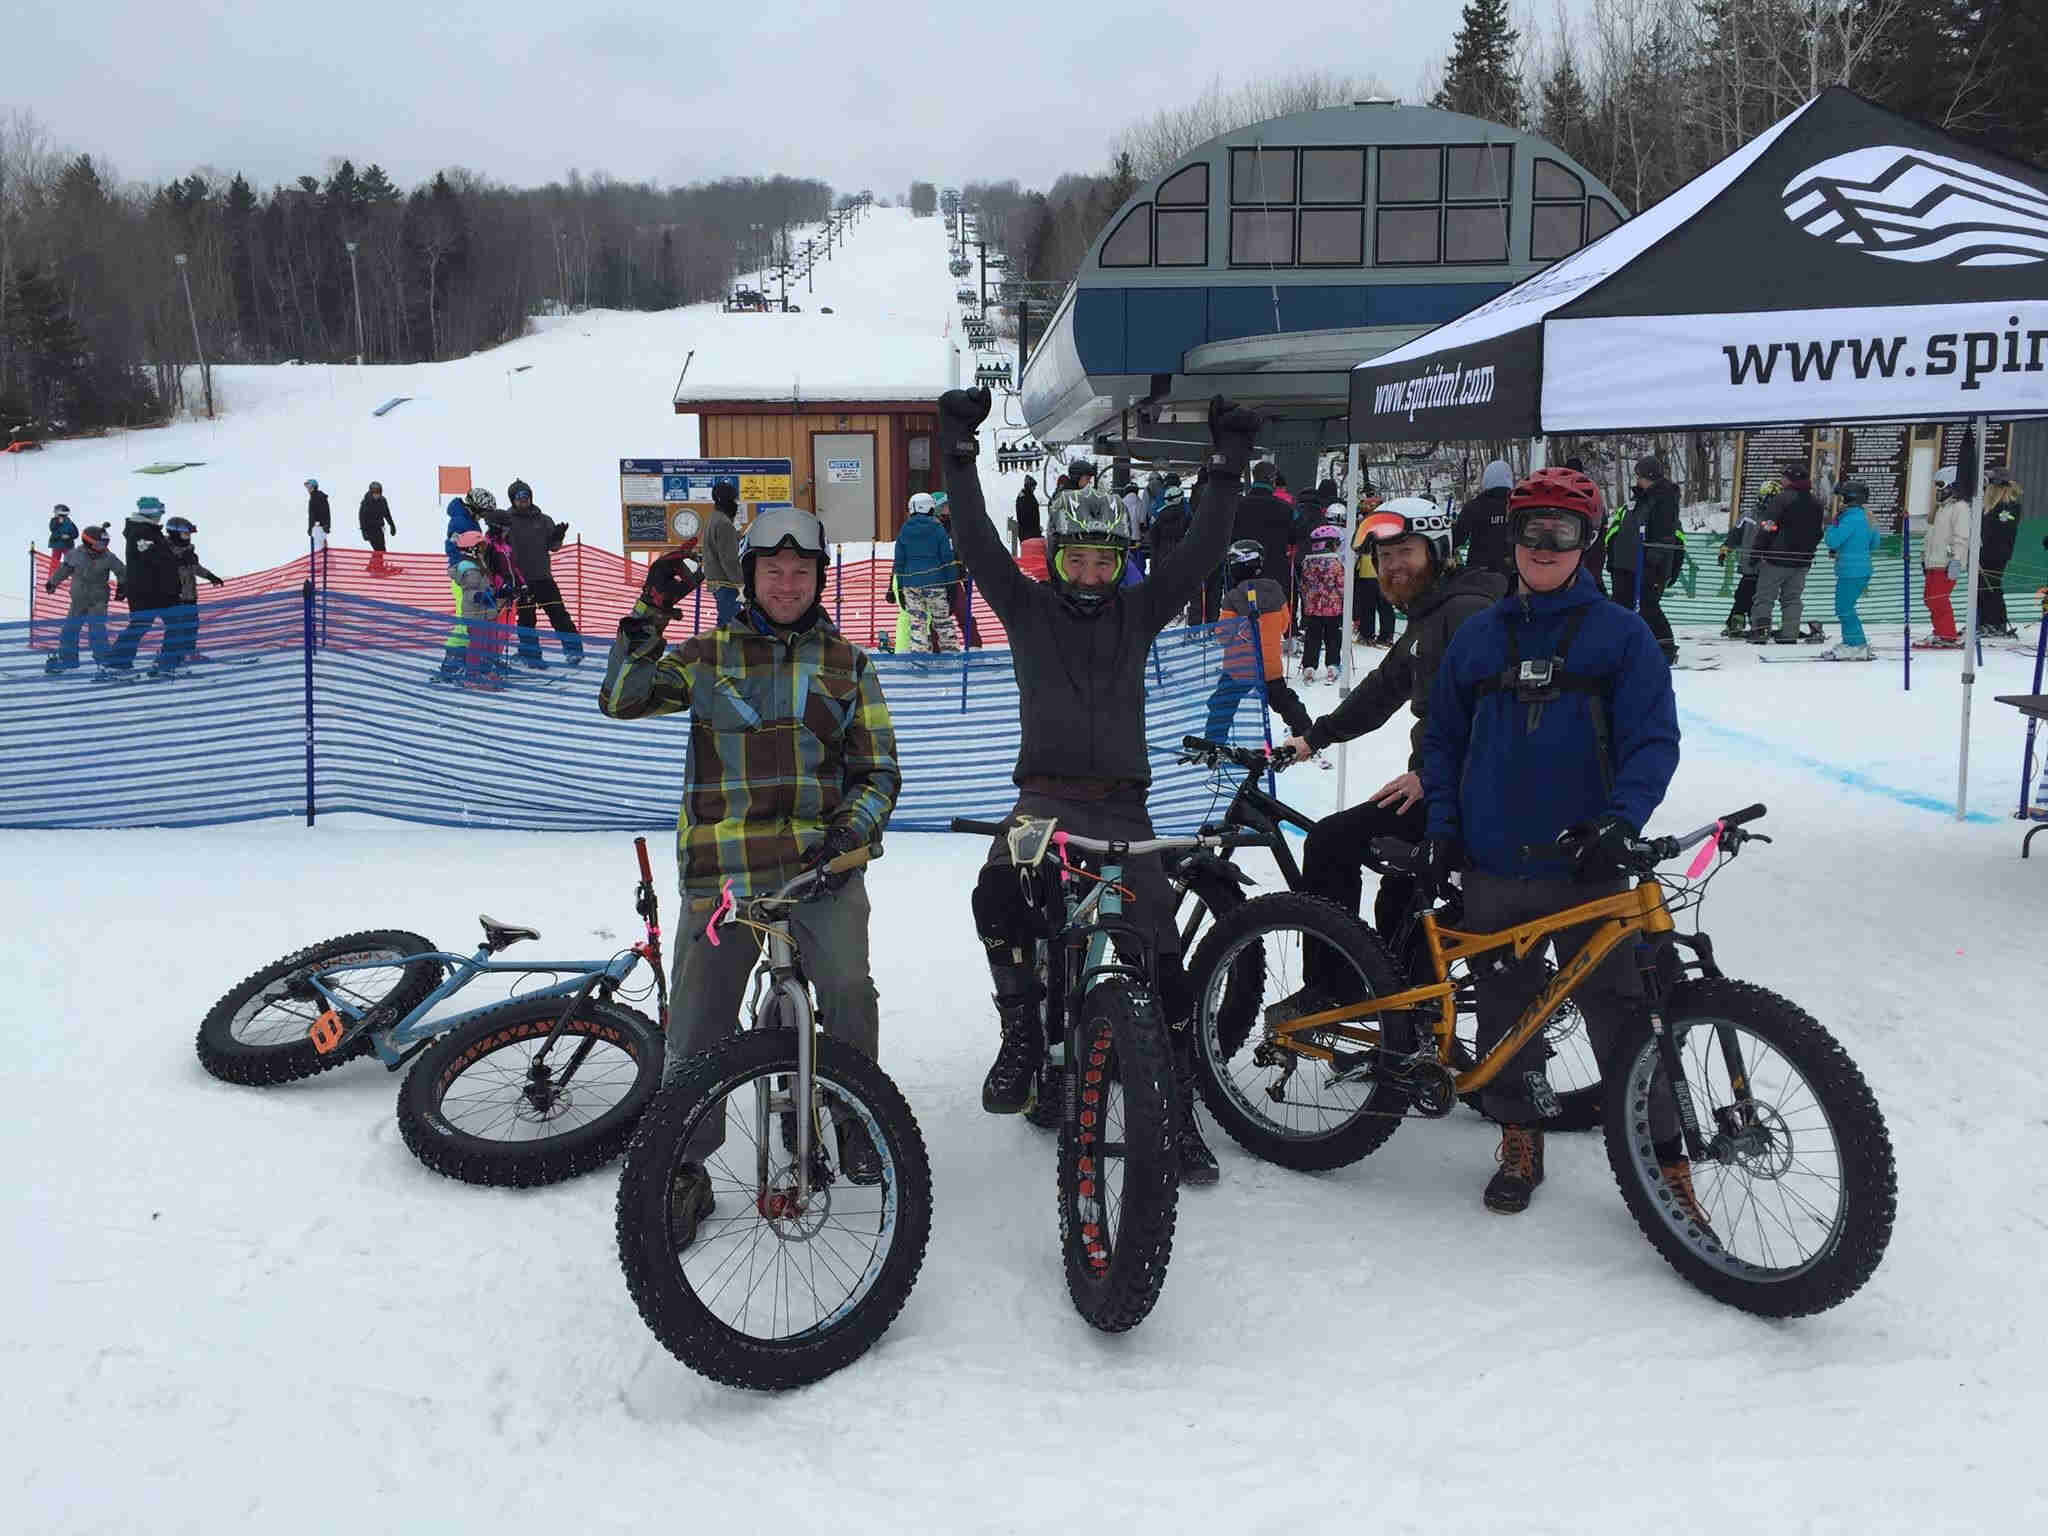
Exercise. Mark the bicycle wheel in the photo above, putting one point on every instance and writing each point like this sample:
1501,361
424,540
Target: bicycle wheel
1801,1193
773,1294
480,1106
1205,898
1119,1174
1278,1104
256,1034
1572,1066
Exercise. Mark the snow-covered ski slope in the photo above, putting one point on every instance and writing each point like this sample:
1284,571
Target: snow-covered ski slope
595,387
231,1310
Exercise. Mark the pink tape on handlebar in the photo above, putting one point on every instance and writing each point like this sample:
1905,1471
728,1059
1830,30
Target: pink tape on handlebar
1705,856
719,913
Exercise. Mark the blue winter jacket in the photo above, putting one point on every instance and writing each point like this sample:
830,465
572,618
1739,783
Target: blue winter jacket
1504,776
924,553
460,520
1853,540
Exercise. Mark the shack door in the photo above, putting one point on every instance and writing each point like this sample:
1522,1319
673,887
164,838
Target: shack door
843,478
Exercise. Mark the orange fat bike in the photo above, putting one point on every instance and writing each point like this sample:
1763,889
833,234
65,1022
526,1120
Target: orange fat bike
1792,1186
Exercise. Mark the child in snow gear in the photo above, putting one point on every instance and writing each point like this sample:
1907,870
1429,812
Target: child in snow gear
2003,513
719,546
88,568
791,763
1851,540
1322,599
1079,643
1944,553
318,514
1745,541
152,585
1793,523
477,607
922,577
535,537
373,516
1255,613
1410,539
1552,713
181,624
63,538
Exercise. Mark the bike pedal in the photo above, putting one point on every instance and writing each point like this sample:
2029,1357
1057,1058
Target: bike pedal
1350,1066
1542,1095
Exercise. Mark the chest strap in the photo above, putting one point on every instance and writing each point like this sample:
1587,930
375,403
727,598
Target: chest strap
1537,683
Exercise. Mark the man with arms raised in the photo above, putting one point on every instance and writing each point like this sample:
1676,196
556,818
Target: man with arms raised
1080,642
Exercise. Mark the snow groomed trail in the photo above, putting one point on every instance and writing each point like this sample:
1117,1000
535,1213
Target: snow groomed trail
239,1310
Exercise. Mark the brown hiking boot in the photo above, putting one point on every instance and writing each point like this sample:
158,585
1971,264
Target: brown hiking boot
1678,1179
1521,1169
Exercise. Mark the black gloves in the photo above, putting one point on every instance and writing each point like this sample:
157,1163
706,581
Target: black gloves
1434,861
839,839
49,586
1231,430
670,579
214,580
961,413
120,593
1602,848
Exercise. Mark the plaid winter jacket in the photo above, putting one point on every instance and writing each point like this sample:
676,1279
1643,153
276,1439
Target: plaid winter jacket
789,735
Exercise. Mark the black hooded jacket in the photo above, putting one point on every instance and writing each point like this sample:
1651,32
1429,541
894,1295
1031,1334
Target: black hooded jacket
1081,674
1028,523
152,566
373,514
1481,530
535,537
317,513
1409,671
1266,519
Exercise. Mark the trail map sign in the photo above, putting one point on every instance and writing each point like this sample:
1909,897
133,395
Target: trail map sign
664,502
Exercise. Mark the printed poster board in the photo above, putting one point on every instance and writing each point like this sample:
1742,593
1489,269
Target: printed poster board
664,502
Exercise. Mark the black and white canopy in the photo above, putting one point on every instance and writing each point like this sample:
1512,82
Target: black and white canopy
1846,264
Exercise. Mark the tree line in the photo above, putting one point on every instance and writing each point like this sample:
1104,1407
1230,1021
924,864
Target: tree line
1646,94
94,324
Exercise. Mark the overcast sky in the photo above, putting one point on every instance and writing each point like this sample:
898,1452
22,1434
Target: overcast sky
867,95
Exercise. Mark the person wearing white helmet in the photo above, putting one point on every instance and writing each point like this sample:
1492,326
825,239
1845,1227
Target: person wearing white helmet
791,763
922,575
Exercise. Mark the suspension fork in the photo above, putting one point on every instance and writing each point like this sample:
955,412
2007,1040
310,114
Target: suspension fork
1667,1052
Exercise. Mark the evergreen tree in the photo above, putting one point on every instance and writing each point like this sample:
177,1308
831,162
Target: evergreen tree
1566,108
47,345
1480,79
376,187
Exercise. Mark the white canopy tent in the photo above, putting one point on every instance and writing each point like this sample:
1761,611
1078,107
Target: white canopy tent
1848,264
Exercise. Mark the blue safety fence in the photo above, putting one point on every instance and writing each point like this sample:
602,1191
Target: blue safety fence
299,705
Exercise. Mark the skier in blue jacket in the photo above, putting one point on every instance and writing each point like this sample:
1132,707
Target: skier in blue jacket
924,572
1551,736
1851,539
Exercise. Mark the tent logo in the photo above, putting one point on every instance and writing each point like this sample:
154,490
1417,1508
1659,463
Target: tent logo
1908,205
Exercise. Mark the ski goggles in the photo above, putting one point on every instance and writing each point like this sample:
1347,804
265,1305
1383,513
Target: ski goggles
785,528
1384,528
1555,531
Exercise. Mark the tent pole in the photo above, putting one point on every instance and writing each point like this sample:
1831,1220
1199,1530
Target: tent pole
1970,623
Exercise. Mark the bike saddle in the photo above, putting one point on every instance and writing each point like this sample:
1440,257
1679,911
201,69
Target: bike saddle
499,935
1393,853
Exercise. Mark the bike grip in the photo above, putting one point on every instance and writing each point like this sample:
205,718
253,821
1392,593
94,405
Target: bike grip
853,858
646,870
980,828
1747,814
1199,744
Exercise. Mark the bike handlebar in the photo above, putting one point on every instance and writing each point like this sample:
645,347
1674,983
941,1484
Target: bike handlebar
978,828
1201,749
1220,839
646,869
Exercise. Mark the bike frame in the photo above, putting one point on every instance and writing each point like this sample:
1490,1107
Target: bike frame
1633,913
396,1042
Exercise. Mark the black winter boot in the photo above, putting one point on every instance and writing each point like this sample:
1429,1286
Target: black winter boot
1521,1169
1012,1082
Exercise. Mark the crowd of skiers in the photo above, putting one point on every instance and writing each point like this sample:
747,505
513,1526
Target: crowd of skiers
157,575
500,575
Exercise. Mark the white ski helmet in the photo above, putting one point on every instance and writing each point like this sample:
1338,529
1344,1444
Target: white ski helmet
1402,515
922,505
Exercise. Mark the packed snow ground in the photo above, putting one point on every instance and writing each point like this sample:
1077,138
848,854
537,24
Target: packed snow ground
244,1310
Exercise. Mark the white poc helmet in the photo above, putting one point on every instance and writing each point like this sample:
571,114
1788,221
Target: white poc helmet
1403,515
922,505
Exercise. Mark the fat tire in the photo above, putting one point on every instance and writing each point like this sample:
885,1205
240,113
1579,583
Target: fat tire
671,1309
457,1154
1869,1176
265,1066
1380,1116
1121,1031
1220,897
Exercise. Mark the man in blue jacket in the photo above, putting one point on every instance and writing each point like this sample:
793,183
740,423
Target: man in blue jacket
1551,737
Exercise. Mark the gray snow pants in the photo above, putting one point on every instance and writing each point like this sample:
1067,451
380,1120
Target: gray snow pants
1784,585
1610,999
710,982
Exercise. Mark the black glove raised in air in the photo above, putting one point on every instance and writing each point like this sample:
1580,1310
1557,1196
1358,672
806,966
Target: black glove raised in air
1231,430
1602,848
671,579
961,413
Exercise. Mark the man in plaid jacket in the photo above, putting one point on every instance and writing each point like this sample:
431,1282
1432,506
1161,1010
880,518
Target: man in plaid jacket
792,762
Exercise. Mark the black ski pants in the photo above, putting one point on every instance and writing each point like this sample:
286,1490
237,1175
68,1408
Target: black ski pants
1651,607
544,594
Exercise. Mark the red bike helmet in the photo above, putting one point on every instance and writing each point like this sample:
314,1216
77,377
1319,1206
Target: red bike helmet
1557,490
